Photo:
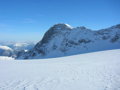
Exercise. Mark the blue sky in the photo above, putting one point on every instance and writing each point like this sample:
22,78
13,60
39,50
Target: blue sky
28,20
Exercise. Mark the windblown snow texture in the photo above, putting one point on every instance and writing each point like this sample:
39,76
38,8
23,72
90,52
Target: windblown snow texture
92,71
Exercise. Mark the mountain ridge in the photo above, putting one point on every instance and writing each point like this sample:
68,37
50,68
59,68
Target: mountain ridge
64,40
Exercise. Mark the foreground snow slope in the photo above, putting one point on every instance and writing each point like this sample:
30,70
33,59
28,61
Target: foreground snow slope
92,71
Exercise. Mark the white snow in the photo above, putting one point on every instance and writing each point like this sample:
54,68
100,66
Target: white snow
69,26
6,51
6,58
5,48
92,71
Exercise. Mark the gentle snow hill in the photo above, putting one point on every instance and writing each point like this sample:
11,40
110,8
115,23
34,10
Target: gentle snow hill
92,71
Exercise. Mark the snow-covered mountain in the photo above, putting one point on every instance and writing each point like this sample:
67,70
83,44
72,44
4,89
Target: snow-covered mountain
64,40
91,71
12,49
6,51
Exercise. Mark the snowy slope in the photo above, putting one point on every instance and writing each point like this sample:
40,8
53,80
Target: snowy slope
92,71
64,40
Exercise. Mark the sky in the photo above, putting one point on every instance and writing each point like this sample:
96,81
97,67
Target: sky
28,20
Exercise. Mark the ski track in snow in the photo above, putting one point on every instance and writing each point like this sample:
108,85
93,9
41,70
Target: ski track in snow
92,71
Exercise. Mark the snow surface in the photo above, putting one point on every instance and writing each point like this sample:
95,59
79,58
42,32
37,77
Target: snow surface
69,26
6,58
92,71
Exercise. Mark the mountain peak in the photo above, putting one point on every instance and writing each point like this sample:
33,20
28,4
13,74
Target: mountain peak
61,26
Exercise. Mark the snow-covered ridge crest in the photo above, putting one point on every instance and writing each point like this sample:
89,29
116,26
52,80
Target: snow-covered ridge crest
69,26
62,40
61,26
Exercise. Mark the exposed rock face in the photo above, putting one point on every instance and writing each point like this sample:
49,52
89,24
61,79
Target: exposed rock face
63,40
